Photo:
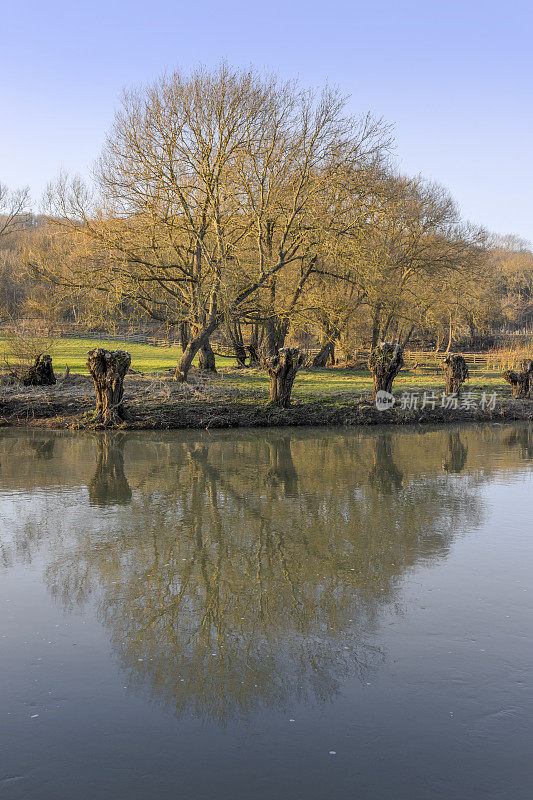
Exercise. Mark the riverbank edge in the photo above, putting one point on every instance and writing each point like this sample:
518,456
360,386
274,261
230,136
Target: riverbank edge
218,415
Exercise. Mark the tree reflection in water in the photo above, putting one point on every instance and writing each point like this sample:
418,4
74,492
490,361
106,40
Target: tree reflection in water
384,476
523,438
43,448
109,484
281,471
455,458
253,572
245,569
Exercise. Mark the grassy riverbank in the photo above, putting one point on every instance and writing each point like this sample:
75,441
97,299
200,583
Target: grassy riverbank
239,398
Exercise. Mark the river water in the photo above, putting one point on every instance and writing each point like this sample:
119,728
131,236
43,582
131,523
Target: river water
267,614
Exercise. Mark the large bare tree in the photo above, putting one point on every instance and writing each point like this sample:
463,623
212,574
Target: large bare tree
207,191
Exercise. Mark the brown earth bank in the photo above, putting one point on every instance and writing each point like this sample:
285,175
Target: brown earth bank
157,402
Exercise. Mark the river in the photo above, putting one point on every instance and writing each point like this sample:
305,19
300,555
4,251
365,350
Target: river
260,614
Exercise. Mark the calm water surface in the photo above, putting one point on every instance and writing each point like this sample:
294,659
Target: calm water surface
303,614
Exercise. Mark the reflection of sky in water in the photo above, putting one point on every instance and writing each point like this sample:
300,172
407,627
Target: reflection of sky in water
369,585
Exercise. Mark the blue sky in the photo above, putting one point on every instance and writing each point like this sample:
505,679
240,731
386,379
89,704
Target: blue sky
454,78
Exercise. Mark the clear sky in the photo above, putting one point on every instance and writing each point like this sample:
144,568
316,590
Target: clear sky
454,78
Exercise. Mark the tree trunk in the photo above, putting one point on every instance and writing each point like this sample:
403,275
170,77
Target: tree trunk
385,362
521,382
270,344
253,347
472,330
206,358
456,373
184,335
275,332
108,369
40,374
326,356
376,324
450,335
254,355
269,347
197,342
237,342
282,369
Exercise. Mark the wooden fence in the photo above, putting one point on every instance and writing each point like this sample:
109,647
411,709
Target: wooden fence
422,360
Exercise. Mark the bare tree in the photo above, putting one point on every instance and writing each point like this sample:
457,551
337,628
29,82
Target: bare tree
14,209
207,190
416,244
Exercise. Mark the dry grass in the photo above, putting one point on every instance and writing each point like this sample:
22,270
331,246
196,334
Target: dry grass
22,345
504,358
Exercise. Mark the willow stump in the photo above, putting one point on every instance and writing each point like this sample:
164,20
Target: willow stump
282,369
455,372
385,362
521,382
108,369
41,373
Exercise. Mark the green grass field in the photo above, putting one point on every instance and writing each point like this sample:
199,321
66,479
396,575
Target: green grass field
317,383
144,357
309,383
